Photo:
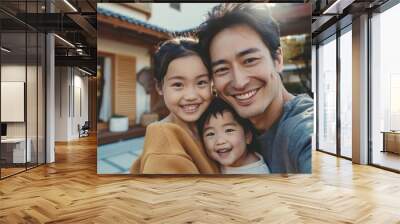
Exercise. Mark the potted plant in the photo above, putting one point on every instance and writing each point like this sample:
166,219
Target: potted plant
118,123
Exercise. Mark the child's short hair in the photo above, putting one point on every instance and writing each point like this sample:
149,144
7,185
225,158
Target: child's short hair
219,106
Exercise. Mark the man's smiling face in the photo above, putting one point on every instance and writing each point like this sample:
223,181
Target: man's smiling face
244,73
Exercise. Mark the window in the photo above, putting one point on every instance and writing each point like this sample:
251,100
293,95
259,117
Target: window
346,94
327,96
385,89
104,85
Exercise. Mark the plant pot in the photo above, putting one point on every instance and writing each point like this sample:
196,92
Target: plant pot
119,124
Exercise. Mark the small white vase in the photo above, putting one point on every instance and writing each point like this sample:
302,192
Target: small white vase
119,124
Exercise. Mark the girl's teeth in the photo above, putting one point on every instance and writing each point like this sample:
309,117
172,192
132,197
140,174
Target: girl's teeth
190,108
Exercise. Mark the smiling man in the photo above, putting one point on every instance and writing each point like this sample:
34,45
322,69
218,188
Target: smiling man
241,42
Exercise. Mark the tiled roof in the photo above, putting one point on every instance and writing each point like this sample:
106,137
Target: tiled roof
135,21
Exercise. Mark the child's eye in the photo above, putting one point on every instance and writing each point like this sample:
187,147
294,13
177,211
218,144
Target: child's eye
177,85
229,130
202,83
209,134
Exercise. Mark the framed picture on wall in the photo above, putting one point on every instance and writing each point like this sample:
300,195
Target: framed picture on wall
12,101
219,75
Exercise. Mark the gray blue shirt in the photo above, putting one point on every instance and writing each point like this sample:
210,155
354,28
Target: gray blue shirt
286,146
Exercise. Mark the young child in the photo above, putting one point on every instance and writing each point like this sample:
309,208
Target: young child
230,140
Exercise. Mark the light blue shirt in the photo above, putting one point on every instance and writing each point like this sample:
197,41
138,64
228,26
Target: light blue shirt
258,167
286,146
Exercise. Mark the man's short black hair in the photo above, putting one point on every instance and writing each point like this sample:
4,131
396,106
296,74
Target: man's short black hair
218,107
255,15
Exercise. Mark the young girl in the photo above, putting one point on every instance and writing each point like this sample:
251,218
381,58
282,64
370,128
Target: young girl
230,140
172,146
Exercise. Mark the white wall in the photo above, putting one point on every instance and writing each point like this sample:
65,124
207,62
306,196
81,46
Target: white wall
68,80
141,54
78,118
13,73
61,103
84,81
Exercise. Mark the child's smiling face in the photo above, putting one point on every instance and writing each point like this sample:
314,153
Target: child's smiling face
225,139
186,88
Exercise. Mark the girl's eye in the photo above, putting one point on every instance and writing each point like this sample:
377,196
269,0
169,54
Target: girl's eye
177,85
229,130
202,83
250,61
209,134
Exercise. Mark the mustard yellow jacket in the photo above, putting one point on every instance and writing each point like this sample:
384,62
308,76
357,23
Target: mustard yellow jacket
169,149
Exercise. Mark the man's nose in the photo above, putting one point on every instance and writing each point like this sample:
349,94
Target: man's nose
240,78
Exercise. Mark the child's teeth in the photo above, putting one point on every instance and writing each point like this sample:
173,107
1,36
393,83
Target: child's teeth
190,108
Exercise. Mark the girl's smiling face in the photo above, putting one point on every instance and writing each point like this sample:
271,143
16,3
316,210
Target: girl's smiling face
186,88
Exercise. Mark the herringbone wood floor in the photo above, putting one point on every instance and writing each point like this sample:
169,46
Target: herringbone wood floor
70,191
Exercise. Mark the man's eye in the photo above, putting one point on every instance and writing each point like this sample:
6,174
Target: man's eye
250,61
221,71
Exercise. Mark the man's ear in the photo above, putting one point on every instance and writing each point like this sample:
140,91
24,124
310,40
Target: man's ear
279,60
159,88
249,137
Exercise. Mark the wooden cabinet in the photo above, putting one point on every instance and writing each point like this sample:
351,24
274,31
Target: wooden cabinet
391,141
